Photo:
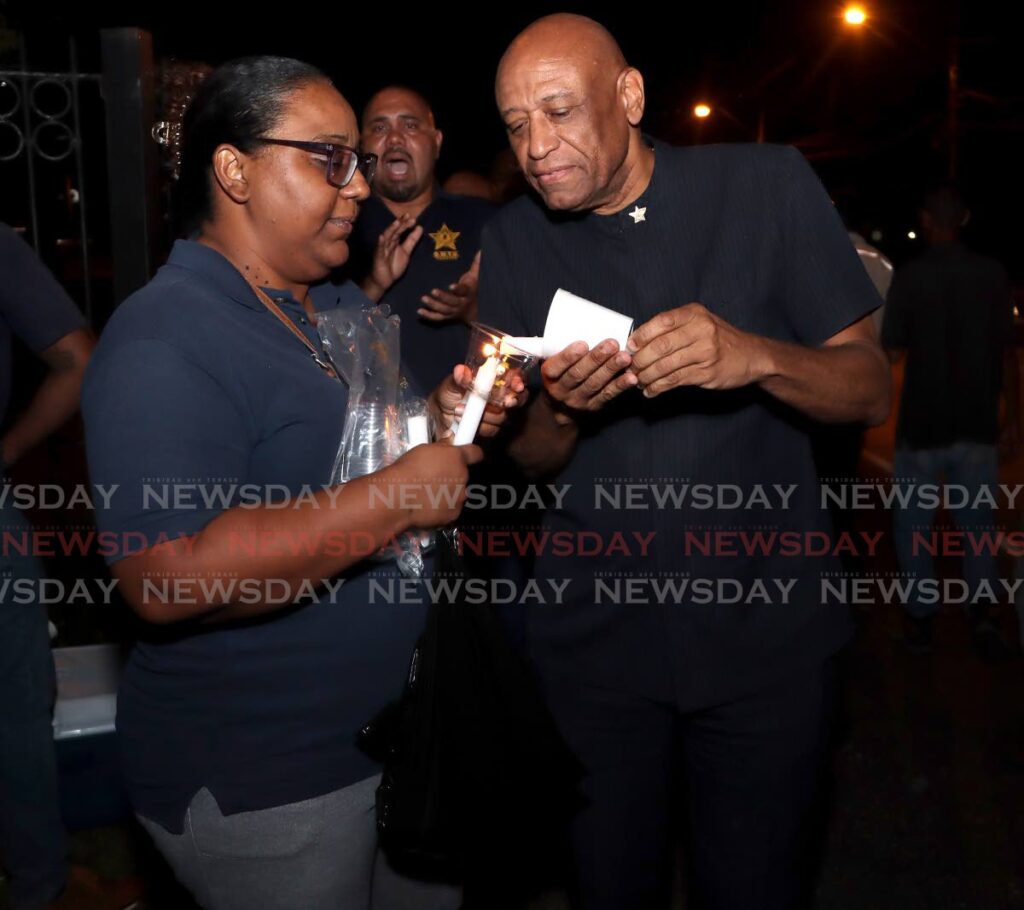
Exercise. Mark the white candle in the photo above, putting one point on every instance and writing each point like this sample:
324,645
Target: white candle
417,433
477,401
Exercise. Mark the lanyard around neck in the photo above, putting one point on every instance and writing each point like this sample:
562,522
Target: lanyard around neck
294,329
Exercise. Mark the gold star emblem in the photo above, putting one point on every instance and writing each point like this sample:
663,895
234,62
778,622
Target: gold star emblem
444,242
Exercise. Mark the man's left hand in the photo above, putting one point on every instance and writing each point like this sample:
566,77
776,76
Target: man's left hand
691,346
391,256
458,302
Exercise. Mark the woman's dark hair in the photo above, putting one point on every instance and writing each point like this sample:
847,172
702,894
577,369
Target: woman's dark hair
238,103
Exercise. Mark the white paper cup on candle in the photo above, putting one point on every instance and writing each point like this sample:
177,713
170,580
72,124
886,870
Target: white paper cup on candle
573,318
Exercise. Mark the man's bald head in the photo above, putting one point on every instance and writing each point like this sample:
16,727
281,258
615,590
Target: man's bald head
567,35
572,108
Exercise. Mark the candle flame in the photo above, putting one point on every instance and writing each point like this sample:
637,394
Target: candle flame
490,350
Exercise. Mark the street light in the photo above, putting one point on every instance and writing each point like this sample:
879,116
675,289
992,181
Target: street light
855,16
702,110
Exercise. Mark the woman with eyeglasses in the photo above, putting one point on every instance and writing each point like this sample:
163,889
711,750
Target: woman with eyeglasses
212,422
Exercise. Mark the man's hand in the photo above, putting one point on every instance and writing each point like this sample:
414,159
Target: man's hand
690,346
845,379
578,380
458,302
391,256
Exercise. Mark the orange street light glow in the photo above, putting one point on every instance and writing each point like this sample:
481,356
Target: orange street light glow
855,16
701,111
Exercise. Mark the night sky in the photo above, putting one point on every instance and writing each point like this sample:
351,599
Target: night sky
868,108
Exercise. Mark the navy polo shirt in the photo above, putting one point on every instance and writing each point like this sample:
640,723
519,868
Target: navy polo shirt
749,232
33,306
451,237
194,383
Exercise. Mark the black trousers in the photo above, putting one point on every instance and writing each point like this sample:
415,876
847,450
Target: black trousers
742,780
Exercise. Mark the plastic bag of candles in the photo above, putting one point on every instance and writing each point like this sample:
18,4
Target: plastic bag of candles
382,419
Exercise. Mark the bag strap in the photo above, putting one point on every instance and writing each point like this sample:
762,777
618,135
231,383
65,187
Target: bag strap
264,298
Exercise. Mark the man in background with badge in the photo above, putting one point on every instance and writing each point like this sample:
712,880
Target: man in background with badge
435,295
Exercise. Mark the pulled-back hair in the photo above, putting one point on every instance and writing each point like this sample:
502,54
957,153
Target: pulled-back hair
239,103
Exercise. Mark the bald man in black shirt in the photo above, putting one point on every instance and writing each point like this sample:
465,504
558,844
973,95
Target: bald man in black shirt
753,319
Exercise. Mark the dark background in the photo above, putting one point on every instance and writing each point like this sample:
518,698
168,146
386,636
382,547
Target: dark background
867,107
929,774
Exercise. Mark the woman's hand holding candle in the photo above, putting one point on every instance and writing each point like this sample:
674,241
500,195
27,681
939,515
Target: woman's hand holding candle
448,399
476,402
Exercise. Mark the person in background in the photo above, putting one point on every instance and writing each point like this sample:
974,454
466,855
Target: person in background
435,293
37,311
949,317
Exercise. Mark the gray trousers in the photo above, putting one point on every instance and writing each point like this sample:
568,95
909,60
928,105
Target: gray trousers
318,854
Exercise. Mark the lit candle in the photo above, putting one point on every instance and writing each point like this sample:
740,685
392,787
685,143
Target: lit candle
476,401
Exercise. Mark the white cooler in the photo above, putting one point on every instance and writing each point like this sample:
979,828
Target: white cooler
91,787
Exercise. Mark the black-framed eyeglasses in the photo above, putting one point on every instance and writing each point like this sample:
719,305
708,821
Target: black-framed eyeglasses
342,160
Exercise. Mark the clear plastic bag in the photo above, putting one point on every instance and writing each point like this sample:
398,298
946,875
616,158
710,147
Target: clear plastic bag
382,420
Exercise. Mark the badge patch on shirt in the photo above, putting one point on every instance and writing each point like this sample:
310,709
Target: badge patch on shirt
444,243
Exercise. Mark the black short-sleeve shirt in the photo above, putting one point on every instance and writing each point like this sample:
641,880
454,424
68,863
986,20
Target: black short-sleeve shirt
749,232
34,307
451,237
951,310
